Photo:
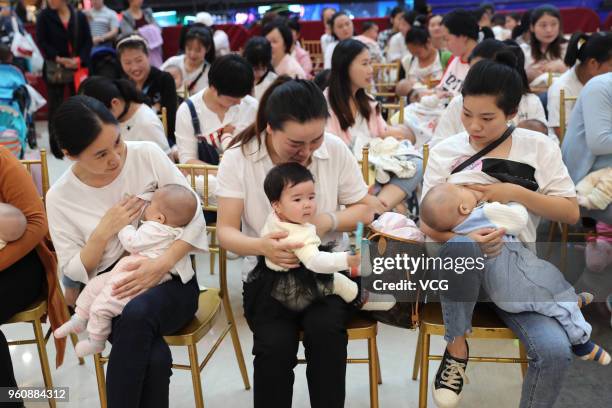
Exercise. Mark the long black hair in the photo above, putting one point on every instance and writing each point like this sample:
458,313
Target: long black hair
461,22
105,90
583,47
76,124
498,77
554,48
258,52
205,36
287,99
340,93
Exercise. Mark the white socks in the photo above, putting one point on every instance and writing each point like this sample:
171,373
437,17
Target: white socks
86,347
75,325
349,291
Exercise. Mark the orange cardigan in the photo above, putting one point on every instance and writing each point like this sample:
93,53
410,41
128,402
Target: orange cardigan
18,190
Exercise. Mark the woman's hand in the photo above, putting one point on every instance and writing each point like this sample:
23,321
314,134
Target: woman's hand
500,192
489,239
117,217
145,273
279,253
557,66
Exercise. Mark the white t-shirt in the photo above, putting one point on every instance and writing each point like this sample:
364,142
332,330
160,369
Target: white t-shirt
188,78
571,84
326,39
455,74
450,123
413,70
338,181
261,87
327,54
145,125
532,148
222,44
397,49
75,209
240,116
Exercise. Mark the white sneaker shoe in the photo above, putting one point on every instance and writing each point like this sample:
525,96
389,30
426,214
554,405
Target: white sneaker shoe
382,176
448,384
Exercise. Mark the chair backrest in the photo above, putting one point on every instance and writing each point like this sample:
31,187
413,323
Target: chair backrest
44,172
365,165
316,54
563,113
386,76
425,155
391,108
163,116
198,179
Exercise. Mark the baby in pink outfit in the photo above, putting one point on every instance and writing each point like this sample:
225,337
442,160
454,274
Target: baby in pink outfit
172,207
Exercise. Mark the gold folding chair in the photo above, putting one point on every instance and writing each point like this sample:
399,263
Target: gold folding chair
393,110
204,170
36,311
316,54
163,116
485,325
210,303
386,76
360,328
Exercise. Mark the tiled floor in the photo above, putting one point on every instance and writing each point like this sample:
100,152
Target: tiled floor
491,385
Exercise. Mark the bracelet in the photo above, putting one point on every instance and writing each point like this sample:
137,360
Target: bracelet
334,220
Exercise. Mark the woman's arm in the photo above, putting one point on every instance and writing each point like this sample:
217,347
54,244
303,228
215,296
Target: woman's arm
43,39
186,141
554,208
85,42
435,235
597,107
169,101
18,190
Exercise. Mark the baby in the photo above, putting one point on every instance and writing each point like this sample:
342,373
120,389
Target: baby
595,190
172,207
516,279
12,224
177,74
291,191
533,124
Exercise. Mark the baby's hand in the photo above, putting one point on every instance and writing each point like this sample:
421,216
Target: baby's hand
229,129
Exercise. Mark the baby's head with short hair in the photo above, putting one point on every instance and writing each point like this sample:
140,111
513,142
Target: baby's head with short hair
12,223
291,191
172,205
446,205
533,124
177,75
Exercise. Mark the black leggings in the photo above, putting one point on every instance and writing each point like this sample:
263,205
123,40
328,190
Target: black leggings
20,285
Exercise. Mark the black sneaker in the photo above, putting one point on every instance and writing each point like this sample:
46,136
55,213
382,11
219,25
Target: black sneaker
449,381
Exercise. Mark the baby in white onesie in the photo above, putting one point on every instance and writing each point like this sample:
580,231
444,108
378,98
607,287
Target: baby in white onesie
291,191
12,224
172,207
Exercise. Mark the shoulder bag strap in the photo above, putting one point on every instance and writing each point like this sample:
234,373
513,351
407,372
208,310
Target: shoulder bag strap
195,121
484,151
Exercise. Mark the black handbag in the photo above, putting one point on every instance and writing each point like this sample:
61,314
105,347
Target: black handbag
206,152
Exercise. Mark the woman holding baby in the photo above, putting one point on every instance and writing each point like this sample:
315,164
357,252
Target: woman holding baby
290,127
27,267
102,192
523,167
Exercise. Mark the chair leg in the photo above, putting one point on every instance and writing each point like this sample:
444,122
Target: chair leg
564,244
373,373
195,376
378,373
75,340
238,351
213,240
424,371
44,360
417,356
523,354
551,235
101,380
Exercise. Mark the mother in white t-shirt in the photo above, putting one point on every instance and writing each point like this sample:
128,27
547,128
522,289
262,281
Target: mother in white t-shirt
290,126
87,206
528,169
137,121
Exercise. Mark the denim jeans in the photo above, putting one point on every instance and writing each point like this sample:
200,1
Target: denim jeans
547,344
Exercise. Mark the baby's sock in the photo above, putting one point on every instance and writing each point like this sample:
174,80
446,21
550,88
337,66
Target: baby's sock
584,299
365,300
345,288
591,351
76,325
86,347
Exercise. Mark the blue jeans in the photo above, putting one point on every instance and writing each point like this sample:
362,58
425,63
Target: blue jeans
409,185
140,364
547,344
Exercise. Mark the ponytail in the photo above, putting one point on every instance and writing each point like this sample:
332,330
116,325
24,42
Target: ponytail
285,100
583,47
105,90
